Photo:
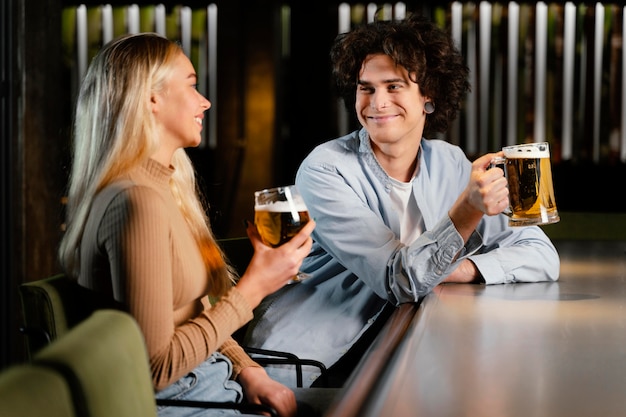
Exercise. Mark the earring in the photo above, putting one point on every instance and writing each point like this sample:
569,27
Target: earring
429,107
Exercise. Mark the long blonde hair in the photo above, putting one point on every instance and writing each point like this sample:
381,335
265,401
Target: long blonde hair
114,131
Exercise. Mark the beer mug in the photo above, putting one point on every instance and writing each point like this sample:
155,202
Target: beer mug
528,172
279,214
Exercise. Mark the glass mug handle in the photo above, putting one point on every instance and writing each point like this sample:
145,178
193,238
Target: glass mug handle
500,161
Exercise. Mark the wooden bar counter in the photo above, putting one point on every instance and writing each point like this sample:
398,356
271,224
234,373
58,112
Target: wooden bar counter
513,350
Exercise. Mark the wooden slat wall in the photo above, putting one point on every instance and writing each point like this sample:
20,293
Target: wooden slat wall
550,71
539,71
86,29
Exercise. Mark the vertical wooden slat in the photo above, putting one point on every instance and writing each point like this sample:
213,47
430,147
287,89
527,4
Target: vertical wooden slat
471,145
385,12
494,137
623,101
371,11
343,119
212,70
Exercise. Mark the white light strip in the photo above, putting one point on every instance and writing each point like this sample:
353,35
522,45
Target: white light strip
569,43
343,13
399,11
132,18
456,23
107,22
159,20
597,79
185,29
485,55
541,39
81,41
513,73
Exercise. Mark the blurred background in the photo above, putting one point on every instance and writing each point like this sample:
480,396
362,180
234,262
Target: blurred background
540,71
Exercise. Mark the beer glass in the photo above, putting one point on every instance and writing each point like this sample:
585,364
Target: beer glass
279,214
529,175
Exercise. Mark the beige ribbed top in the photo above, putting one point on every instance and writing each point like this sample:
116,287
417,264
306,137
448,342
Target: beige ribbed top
141,251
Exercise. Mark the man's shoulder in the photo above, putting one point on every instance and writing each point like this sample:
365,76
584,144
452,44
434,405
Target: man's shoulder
439,148
337,146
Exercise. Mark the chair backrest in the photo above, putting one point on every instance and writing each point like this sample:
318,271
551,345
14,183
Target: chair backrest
32,391
105,361
51,306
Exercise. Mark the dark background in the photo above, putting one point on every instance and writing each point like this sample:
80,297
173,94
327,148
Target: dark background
36,106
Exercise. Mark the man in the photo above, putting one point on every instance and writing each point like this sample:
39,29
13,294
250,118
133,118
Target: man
396,213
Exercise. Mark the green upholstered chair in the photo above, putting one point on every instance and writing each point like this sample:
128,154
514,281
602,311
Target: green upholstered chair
105,361
33,391
53,305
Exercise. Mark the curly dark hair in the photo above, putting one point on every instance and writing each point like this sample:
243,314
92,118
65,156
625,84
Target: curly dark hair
417,44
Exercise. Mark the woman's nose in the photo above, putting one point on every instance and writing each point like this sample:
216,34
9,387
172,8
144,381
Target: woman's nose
206,104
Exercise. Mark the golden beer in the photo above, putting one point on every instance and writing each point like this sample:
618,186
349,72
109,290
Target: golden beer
277,227
279,214
531,191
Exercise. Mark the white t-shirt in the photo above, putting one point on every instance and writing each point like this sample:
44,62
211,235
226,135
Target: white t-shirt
411,221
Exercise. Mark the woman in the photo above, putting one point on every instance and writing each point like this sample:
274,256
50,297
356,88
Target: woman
137,229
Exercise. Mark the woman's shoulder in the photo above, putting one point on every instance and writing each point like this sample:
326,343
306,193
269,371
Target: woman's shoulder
130,195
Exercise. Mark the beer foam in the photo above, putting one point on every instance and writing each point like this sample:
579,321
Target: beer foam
282,206
530,150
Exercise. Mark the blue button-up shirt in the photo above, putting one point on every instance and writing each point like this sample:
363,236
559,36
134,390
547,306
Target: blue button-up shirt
358,262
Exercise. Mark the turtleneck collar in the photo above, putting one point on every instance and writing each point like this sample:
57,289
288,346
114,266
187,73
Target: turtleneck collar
157,172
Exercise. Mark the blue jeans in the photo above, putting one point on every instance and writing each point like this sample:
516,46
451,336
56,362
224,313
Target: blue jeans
210,381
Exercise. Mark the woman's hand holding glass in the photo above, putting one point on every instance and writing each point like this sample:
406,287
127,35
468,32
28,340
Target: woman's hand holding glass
279,213
271,268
